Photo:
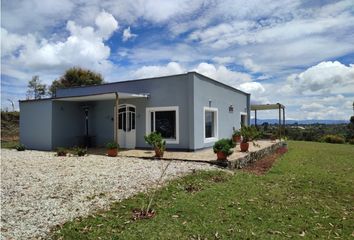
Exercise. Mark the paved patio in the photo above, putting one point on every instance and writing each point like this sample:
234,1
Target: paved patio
205,155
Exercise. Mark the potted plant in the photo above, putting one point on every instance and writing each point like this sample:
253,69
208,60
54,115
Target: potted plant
222,148
112,149
155,140
248,134
236,136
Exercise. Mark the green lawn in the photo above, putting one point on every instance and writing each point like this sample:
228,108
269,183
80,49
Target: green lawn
308,194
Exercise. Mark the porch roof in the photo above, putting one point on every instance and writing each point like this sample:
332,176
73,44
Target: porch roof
102,97
267,106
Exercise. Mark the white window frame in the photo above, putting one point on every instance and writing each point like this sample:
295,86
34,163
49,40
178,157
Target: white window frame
216,124
157,109
243,114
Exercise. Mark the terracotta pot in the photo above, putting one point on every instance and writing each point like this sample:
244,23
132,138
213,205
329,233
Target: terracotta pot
112,152
158,153
244,146
221,156
236,139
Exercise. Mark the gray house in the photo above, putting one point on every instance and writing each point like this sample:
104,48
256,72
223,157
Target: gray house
190,110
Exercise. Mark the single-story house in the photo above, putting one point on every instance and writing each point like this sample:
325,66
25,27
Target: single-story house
190,110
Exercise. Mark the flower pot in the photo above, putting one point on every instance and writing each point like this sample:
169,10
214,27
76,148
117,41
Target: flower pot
112,152
244,146
158,153
221,156
236,139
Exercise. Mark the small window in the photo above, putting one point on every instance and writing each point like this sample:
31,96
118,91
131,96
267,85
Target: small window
210,124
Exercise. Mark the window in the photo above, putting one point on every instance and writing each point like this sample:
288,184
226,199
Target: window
165,121
210,124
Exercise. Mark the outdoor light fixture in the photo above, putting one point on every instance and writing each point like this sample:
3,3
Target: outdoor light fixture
231,108
209,102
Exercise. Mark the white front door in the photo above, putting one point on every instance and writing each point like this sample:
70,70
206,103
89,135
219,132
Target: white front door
126,126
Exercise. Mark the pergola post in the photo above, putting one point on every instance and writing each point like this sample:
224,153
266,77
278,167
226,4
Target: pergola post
284,119
279,122
116,118
255,118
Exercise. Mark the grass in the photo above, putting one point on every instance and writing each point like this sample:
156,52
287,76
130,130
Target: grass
308,194
9,144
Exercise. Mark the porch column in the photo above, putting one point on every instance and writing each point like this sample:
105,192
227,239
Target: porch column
116,119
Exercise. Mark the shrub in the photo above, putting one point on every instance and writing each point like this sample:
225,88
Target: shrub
351,141
224,145
79,151
61,152
249,133
20,147
333,139
112,145
155,140
236,133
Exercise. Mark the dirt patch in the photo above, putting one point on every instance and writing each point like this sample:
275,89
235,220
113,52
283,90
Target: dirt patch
263,165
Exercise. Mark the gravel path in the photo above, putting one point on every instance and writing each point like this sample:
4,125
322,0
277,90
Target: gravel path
39,190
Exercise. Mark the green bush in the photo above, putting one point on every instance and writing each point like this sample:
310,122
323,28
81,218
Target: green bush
236,133
79,151
333,139
20,147
61,152
155,140
249,133
224,145
351,141
112,145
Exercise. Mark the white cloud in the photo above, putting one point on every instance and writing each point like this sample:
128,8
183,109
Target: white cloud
84,46
324,77
223,60
127,34
106,24
250,65
223,74
155,71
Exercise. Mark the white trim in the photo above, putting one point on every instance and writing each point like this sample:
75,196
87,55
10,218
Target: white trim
157,109
216,125
243,113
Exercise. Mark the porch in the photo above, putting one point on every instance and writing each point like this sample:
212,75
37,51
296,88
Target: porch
237,159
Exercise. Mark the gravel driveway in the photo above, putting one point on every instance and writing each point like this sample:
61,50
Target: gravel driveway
39,190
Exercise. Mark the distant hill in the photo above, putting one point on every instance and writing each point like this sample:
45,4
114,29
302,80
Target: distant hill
301,122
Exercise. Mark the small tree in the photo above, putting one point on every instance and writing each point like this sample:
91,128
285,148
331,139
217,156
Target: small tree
76,76
36,90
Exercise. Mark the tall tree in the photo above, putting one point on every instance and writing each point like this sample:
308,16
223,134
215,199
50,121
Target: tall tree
76,76
36,90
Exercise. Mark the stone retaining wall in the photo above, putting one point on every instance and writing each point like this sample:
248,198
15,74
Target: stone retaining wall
253,156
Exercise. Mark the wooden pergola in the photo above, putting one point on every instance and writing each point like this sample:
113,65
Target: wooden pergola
276,106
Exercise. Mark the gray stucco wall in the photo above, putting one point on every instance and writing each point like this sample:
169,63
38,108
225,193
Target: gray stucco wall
36,124
68,123
221,97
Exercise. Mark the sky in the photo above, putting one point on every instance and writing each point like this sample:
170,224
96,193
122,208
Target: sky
298,53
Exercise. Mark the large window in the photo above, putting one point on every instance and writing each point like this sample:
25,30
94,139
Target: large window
163,120
210,124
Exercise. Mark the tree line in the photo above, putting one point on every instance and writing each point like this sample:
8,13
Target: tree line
75,76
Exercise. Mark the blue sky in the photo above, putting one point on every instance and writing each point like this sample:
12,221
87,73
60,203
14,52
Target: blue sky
299,53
